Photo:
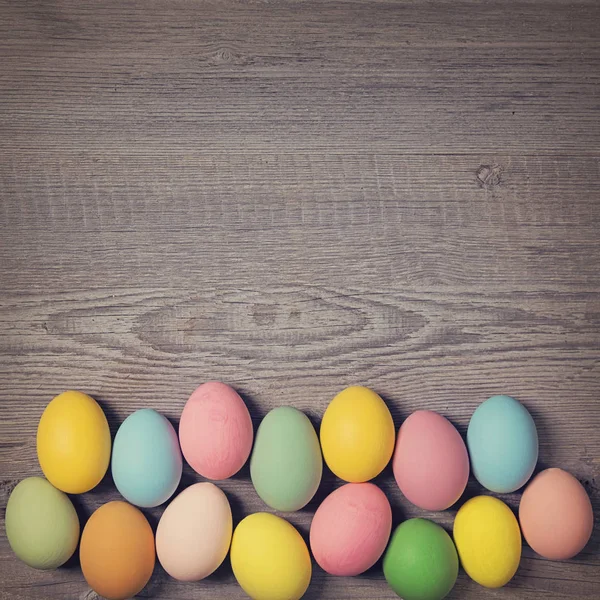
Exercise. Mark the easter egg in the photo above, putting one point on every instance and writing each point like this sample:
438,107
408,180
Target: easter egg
286,463
351,529
42,526
431,464
194,532
556,515
503,444
117,551
215,431
73,443
270,559
357,434
146,461
488,540
420,562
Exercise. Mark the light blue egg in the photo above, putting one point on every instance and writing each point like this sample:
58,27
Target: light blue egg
146,459
503,444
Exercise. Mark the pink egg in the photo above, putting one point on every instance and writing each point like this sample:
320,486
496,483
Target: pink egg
215,431
431,463
351,529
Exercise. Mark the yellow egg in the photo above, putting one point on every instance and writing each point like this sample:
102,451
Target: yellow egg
488,540
73,442
357,434
270,559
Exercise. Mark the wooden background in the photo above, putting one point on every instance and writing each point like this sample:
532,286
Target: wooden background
293,197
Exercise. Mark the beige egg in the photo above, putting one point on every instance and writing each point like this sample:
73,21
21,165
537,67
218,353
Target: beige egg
194,532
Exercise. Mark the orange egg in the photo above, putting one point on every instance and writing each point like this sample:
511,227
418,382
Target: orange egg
117,551
556,515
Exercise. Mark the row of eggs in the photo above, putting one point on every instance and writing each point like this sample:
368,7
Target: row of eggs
357,439
351,528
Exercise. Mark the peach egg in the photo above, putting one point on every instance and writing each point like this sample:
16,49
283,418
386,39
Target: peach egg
556,515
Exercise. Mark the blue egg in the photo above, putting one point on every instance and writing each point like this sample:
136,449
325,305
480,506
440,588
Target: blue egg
146,459
503,444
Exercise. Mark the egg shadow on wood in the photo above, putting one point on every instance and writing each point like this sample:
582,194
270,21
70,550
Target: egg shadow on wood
592,548
473,489
317,582
111,416
256,413
375,572
175,425
462,429
237,509
398,415
223,573
329,482
106,487
83,514
159,576
546,435
244,473
154,514
188,478
157,581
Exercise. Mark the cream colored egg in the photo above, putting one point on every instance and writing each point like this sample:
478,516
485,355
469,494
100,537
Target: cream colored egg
194,532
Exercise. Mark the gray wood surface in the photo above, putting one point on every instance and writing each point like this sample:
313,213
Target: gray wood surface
293,197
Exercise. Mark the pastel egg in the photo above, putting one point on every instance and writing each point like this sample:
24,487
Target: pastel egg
351,529
194,532
556,515
117,551
73,442
146,461
420,562
286,463
357,434
503,444
270,559
488,540
215,431
431,464
42,526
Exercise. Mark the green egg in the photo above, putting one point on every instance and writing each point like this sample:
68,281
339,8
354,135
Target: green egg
420,562
286,464
42,526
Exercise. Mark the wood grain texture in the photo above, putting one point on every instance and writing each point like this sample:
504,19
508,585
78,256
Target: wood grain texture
293,197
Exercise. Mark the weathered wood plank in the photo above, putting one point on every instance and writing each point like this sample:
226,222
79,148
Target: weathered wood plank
294,197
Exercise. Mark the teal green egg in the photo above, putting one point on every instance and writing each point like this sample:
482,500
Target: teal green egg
503,444
286,464
146,459
42,526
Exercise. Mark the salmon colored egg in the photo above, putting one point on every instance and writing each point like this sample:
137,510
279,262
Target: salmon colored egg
431,463
215,431
556,515
351,529
117,551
